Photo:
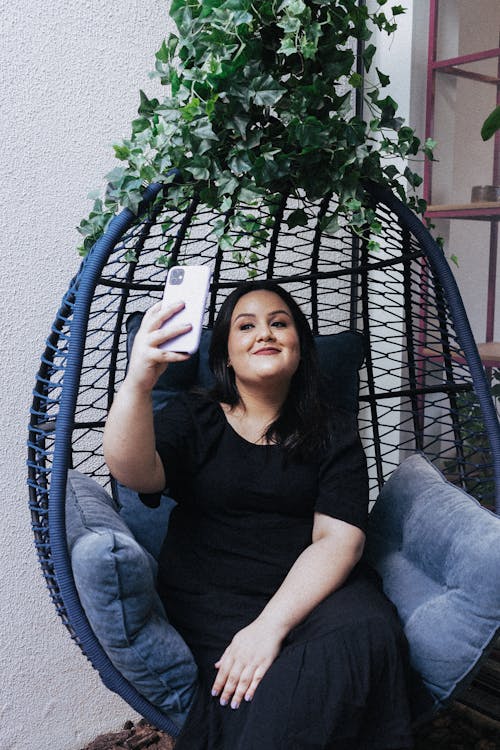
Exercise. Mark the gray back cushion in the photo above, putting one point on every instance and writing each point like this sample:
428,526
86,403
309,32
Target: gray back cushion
438,553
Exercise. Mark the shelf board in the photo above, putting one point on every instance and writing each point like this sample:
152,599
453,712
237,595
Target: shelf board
482,210
489,353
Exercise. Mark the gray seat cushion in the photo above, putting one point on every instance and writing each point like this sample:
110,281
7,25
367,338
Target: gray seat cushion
115,578
438,553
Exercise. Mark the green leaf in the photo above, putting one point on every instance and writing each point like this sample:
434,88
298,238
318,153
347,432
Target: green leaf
241,162
356,80
265,91
226,242
289,24
368,54
287,47
249,195
191,110
227,183
384,79
121,152
413,178
203,130
294,7
373,246
198,166
331,224
163,55
116,175
139,125
429,146
353,204
491,124
147,106
297,218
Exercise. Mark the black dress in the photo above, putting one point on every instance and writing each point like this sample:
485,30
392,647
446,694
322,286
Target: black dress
244,515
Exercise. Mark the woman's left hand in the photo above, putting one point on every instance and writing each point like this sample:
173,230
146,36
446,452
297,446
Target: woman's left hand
245,662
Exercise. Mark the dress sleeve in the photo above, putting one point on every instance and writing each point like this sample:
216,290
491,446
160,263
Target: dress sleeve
343,475
172,432
186,431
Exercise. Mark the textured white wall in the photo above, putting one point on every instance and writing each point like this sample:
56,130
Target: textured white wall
71,72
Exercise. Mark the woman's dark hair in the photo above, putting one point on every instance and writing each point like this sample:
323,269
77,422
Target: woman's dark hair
302,426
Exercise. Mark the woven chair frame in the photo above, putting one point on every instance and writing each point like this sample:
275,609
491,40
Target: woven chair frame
422,387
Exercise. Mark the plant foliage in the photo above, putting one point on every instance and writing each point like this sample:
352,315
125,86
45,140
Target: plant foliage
260,102
491,125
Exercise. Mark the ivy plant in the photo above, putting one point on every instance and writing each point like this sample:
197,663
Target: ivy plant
259,101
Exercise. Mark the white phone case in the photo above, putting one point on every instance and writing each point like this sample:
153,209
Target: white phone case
189,284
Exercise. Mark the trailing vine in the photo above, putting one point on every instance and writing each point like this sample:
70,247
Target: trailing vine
260,102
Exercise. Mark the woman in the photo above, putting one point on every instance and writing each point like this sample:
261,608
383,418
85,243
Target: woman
260,571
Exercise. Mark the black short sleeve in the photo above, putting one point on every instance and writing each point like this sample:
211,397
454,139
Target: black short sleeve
172,431
186,429
343,475
174,435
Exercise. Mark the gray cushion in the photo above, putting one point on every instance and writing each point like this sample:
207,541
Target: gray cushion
115,578
148,525
438,553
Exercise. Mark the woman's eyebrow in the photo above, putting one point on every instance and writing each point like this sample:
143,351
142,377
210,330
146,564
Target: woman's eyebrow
252,315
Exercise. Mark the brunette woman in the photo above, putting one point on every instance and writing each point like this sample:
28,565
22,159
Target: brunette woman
261,571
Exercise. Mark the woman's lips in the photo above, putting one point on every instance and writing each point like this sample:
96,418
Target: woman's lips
267,350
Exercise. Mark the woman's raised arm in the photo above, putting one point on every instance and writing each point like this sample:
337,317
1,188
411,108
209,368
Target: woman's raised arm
129,439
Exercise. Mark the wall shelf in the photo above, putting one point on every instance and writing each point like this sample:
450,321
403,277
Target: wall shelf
453,113
480,211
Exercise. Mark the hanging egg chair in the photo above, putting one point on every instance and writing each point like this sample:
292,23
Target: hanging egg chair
422,385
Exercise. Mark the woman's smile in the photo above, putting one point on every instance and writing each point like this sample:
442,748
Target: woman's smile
268,350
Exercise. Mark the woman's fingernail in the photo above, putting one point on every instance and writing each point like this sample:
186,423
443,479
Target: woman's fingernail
235,704
215,693
248,697
223,702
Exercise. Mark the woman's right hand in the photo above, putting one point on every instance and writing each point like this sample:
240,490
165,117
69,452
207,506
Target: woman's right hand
147,360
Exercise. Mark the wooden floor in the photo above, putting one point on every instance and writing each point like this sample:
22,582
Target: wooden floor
484,693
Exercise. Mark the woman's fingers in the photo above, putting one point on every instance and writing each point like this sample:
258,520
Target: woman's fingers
244,689
159,334
148,360
235,684
223,667
244,663
257,677
153,335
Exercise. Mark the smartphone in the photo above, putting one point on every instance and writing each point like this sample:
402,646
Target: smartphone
189,284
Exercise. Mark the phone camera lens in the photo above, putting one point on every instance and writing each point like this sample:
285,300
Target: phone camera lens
176,276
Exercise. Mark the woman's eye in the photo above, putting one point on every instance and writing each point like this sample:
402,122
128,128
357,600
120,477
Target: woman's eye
279,323
246,326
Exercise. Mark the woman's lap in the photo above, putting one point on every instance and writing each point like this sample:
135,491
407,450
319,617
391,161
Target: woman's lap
338,684
341,679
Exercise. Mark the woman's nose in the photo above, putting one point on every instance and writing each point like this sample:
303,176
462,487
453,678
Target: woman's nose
265,333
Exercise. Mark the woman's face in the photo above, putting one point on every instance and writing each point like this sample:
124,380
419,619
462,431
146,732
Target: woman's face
263,344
